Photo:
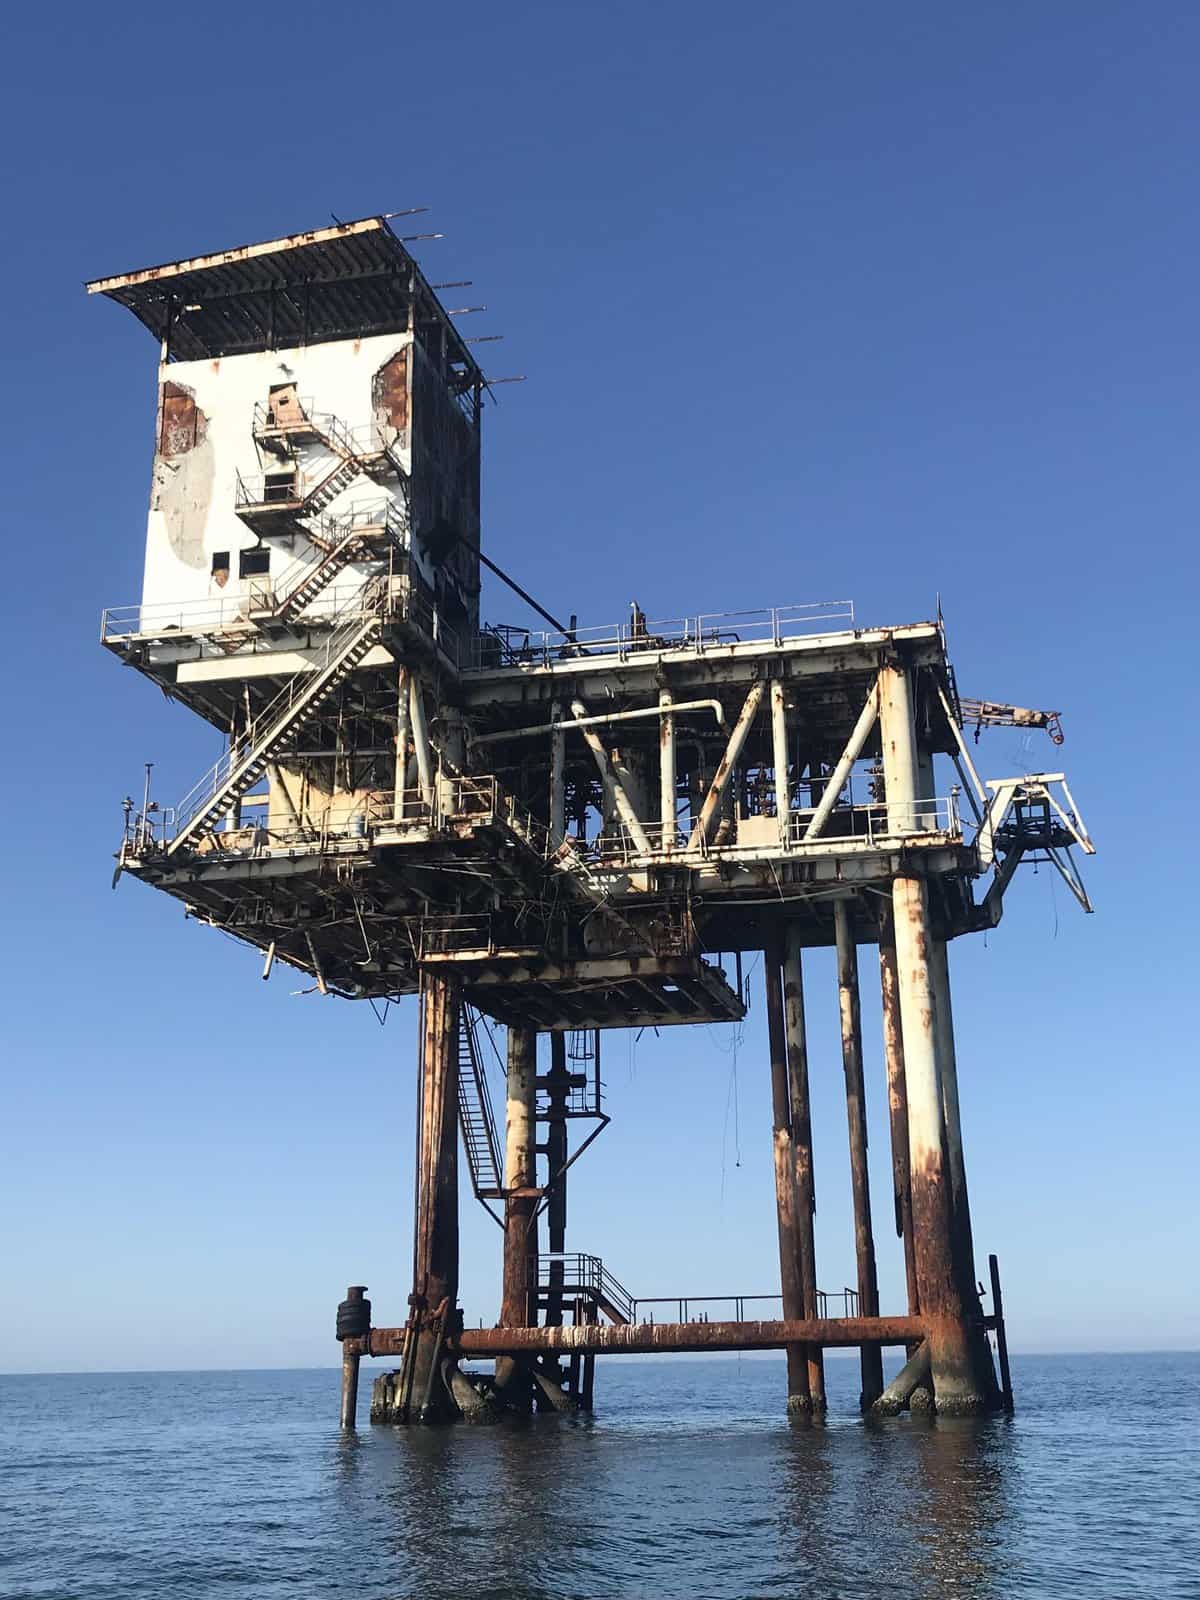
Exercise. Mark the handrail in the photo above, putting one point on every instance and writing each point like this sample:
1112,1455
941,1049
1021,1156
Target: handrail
366,604
575,1270
498,647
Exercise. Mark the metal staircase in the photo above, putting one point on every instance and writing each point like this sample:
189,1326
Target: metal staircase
588,1278
236,772
361,535
283,503
475,1117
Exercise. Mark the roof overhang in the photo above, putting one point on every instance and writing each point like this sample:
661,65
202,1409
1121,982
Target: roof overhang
344,282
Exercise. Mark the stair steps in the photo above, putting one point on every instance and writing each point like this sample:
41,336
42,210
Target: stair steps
236,773
475,1118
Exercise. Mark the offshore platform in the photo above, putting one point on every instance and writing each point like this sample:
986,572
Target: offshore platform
559,831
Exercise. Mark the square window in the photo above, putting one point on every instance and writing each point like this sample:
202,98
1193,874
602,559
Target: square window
254,563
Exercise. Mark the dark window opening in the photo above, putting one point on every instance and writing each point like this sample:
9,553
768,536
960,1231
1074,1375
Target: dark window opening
279,486
254,563
220,562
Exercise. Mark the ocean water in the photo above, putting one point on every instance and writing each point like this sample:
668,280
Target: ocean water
689,1482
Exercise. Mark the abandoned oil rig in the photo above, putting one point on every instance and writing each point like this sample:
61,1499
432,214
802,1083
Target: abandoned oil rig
561,832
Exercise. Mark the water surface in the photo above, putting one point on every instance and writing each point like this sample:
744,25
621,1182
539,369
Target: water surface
688,1482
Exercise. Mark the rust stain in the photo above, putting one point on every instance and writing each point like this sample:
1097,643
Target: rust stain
182,425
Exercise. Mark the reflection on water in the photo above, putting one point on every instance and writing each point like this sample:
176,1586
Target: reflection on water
690,1482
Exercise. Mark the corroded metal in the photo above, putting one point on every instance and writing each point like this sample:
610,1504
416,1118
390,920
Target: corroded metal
956,1385
801,1123
649,1338
517,1306
893,1051
849,1010
785,1175
435,1264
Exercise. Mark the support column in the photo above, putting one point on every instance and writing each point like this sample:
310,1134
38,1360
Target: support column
435,1258
520,1180
957,1389
943,1026
402,720
801,1123
779,758
557,1086
893,1050
956,1382
785,1176
557,806
666,771
856,1117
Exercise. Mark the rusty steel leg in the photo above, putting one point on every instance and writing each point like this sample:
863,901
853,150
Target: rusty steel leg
893,1049
519,1291
801,1124
960,1207
856,1116
435,1276
785,1176
557,1088
957,1387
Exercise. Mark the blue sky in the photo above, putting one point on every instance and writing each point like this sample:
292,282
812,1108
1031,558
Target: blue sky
858,300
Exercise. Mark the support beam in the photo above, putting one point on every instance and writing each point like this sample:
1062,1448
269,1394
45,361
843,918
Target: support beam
856,1116
779,757
720,782
893,1051
403,695
898,744
914,1374
802,1152
621,801
651,1338
785,1176
666,771
420,738
836,781
557,806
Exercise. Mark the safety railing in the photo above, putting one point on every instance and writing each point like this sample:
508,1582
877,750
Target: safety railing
575,1273
876,823
482,799
382,520
837,1302
209,619
451,935
505,647
351,443
616,841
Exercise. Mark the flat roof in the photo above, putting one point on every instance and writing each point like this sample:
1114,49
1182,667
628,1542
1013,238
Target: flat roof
343,282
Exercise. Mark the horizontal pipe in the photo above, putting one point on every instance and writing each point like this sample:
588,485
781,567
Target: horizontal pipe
600,721
647,1338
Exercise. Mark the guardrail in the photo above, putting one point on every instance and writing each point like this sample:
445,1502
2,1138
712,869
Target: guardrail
577,1273
504,647
875,823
